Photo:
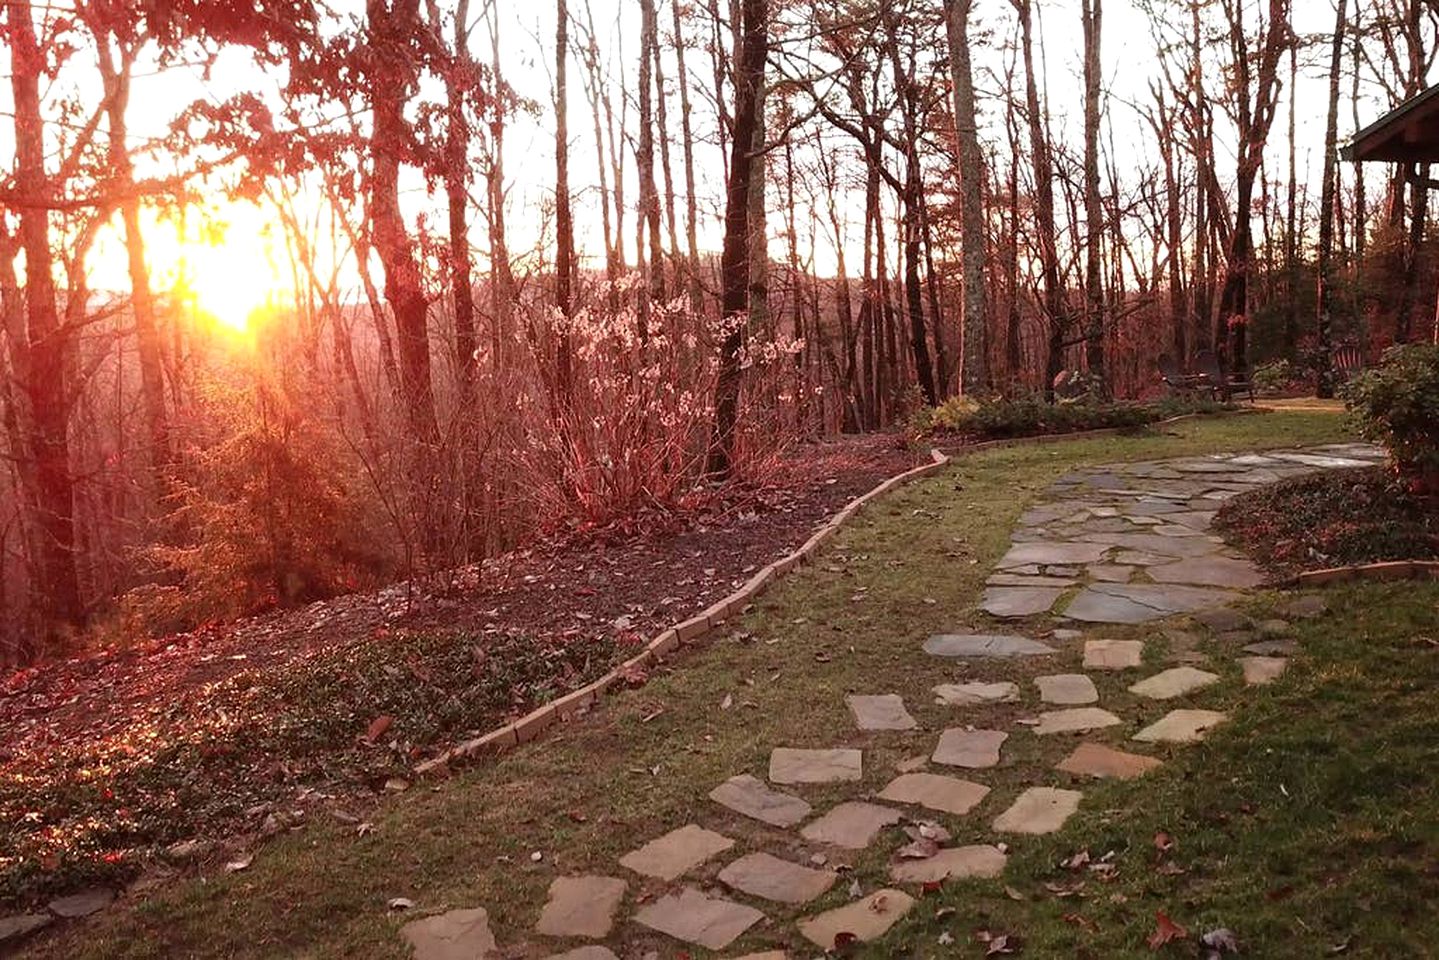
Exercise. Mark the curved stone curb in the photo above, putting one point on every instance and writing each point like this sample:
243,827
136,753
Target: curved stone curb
531,725
1388,570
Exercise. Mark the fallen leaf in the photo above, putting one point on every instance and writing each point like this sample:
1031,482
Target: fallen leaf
844,942
1076,862
241,862
1014,894
946,938
930,886
727,702
400,903
1163,842
918,850
1167,932
378,726
879,905
1220,941
1079,921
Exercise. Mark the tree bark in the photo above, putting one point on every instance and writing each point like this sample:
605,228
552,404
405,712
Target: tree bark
1092,21
564,221
974,373
1324,383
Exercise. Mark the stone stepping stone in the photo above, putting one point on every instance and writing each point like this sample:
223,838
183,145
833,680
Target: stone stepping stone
752,797
794,765
1138,558
1111,572
1305,608
976,694
1326,462
591,951
996,646
678,851
456,935
1014,580
770,878
1113,654
581,907
1066,688
16,928
1259,671
1048,552
852,825
1077,720
958,863
975,749
1139,602
1008,603
883,711
1172,547
710,922
1039,810
1270,648
766,955
1097,760
1209,571
1180,726
935,791
1174,682
865,919
82,904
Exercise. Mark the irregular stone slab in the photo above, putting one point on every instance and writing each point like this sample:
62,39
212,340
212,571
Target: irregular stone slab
935,791
1111,572
974,694
770,878
1075,721
1180,726
456,935
1155,543
1014,602
581,907
883,711
1012,580
1273,628
975,749
766,955
866,919
1046,552
793,765
671,855
711,922
1209,571
1261,670
852,825
1097,760
591,951
1113,654
753,798
1174,682
1139,602
1138,558
996,646
1270,648
1223,619
1305,608
1039,810
959,863
1319,460
1066,688
82,904
16,928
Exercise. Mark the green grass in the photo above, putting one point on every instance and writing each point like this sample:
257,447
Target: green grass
597,788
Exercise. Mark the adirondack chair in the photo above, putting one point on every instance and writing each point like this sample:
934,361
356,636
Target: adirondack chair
1215,381
1346,361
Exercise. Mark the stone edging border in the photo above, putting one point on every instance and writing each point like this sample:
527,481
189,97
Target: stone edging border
1388,570
532,724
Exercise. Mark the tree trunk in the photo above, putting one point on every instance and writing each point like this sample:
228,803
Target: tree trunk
735,258
1324,384
649,219
1092,16
696,291
974,375
564,223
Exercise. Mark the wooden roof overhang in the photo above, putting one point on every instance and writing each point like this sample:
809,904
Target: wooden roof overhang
1407,134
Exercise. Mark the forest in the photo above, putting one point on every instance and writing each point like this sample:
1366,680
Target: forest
302,298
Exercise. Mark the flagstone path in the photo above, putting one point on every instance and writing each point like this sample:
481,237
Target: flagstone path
1117,544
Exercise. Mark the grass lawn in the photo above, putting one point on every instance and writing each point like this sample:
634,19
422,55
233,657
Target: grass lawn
1308,822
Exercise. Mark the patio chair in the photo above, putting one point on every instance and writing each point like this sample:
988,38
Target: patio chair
1215,381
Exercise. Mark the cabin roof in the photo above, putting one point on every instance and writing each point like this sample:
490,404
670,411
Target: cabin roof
1407,134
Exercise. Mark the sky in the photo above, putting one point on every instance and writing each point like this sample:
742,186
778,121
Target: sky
227,270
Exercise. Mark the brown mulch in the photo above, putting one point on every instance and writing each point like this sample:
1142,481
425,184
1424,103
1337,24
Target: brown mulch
104,730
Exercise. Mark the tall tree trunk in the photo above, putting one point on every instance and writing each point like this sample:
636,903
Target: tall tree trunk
457,198
974,375
696,290
1324,385
45,377
649,218
735,258
502,279
1092,23
564,223
1291,233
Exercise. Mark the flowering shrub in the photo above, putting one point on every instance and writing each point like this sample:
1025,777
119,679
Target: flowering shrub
1397,404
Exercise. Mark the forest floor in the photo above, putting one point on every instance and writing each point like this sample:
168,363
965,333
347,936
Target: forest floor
1236,829
206,738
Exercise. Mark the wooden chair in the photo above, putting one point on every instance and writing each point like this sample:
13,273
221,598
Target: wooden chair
1237,382
1176,381
1346,362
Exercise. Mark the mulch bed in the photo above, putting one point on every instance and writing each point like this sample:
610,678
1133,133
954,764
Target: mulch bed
1333,518
195,743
